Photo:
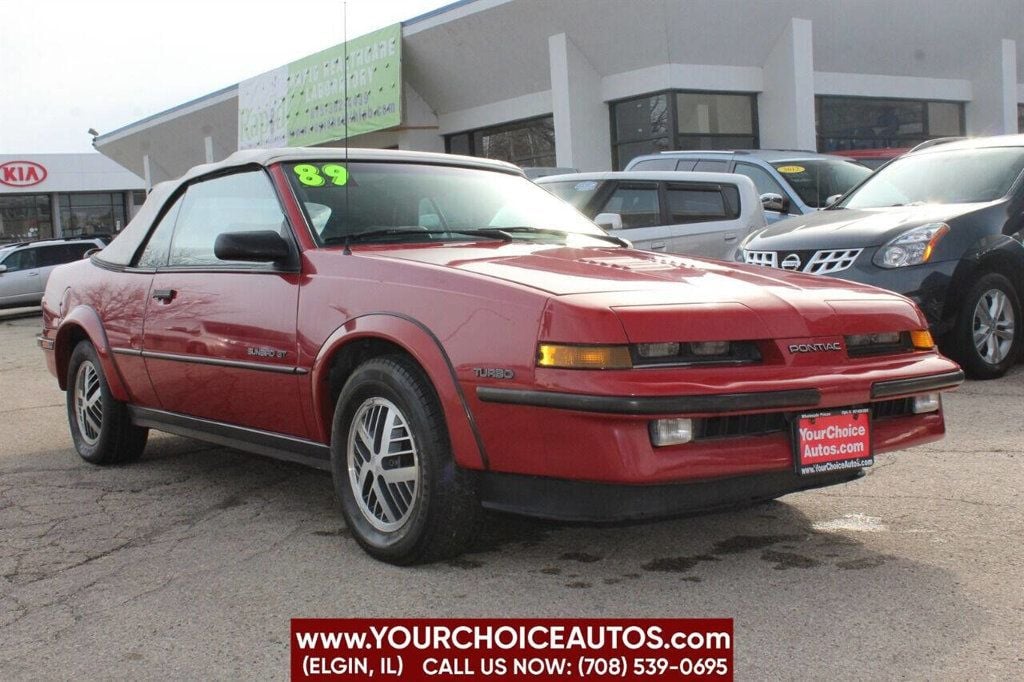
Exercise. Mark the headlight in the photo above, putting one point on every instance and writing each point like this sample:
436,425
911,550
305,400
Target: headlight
695,353
913,247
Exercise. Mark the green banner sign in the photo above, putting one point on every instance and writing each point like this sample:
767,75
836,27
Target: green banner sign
304,103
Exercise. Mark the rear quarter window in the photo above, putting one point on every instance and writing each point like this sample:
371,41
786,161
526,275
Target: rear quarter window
694,203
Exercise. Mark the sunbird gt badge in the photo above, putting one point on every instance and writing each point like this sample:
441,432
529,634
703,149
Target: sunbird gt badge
265,352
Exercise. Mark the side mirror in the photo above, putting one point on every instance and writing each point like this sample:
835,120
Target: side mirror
256,246
3,269
771,201
832,200
609,221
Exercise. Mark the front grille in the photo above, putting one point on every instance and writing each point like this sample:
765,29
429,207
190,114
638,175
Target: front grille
744,425
886,409
827,262
816,262
733,426
769,259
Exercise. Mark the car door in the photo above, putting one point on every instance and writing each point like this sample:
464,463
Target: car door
19,283
220,336
638,203
703,217
766,184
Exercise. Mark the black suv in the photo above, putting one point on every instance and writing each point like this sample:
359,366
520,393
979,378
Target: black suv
942,225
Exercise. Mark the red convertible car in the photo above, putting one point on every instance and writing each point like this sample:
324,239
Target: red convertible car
445,336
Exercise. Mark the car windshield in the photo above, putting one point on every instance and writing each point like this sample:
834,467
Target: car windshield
962,176
422,202
815,180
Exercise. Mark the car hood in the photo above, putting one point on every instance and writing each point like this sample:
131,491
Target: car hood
852,228
563,271
743,301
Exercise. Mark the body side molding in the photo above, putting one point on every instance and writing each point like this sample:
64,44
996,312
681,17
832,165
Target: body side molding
276,445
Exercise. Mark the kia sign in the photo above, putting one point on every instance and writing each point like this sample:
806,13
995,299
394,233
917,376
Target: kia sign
22,173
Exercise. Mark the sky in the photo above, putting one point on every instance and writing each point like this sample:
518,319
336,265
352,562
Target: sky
70,65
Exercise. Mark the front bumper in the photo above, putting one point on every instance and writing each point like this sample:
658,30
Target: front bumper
928,285
579,501
586,436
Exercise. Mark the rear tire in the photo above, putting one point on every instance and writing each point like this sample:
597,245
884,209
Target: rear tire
985,339
100,426
404,498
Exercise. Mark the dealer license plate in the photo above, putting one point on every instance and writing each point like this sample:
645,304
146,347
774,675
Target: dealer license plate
832,441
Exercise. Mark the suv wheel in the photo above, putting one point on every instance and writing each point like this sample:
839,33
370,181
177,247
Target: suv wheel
404,498
986,338
100,426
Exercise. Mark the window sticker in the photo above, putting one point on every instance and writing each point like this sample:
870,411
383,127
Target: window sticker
585,186
317,176
791,169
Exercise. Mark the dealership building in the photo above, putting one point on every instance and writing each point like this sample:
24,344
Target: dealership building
590,84
65,195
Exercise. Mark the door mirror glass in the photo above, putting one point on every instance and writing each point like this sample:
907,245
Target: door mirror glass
609,221
774,202
257,246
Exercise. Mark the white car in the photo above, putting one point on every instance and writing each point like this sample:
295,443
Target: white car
698,214
25,267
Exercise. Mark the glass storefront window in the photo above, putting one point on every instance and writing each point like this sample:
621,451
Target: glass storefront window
867,123
640,119
93,213
25,217
682,120
703,113
524,143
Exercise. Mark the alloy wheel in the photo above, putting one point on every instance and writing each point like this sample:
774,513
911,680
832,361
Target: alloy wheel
88,402
383,465
993,326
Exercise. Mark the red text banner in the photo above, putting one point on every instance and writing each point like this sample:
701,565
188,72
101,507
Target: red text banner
532,649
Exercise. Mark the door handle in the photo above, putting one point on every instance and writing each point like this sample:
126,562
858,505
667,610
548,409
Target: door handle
31,274
730,236
659,246
165,295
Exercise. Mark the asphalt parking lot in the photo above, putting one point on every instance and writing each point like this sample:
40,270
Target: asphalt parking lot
190,563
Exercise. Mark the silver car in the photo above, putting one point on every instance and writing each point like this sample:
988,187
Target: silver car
25,267
699,214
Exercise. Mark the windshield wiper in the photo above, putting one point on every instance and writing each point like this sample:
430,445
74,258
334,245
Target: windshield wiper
502,233
523,229
388,232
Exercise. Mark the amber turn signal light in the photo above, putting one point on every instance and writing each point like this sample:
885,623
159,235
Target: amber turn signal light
922,339
583,357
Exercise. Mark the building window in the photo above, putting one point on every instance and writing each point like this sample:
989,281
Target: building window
82,214
866,123
682,120
525,143
1020,118
24,217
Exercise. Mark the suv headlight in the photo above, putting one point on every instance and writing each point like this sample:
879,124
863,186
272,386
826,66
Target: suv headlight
913,247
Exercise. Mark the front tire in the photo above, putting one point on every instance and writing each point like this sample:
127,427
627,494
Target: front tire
404,498
986,336
100,426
